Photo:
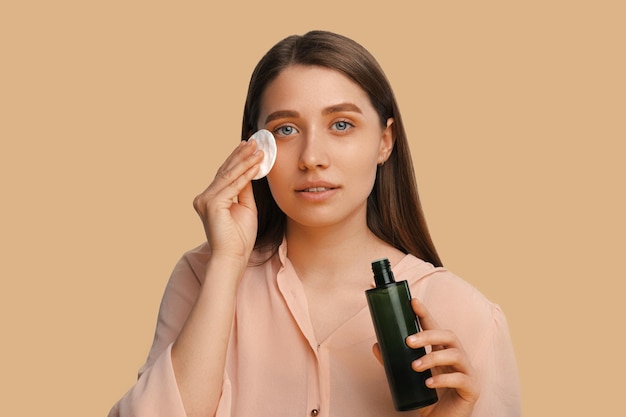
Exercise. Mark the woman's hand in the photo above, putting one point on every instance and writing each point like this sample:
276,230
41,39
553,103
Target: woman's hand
227,207
453,375
228,212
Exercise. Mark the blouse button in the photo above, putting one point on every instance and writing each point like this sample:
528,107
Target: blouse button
315,412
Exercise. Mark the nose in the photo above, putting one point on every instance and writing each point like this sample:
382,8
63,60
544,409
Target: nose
313,152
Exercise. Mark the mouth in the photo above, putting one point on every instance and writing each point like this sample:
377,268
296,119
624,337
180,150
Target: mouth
316,189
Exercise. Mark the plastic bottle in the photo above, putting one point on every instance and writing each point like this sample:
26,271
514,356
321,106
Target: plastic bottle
394,320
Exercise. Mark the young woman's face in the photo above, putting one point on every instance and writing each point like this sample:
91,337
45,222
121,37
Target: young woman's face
329,141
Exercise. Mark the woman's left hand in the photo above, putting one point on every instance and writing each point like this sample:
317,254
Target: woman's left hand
453,375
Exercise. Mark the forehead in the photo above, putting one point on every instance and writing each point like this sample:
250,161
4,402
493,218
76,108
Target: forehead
310,86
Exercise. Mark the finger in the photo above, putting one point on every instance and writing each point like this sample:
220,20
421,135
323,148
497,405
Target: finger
236,187
376,351
463,384
427,321
438,341
449,358
236,172
228,162
239,161
246,196
440,338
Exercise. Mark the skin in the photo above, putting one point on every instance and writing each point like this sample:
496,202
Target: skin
329,141
329,138
311,126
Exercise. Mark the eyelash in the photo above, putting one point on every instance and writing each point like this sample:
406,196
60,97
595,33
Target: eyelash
347,123
279,131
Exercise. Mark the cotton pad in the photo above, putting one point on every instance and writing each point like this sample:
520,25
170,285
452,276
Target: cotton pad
265,142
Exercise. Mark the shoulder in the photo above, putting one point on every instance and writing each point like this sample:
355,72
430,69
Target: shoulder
438,284
453,302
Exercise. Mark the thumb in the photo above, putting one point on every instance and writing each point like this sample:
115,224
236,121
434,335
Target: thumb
427,322
376,351
246,197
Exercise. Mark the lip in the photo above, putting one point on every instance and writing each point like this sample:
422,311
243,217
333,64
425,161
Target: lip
315,185
316,191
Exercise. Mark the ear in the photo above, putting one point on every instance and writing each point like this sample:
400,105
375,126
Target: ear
388,139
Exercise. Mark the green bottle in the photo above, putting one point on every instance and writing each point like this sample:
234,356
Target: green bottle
394,320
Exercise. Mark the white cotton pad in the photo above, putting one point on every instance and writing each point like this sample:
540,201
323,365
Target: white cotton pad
265,142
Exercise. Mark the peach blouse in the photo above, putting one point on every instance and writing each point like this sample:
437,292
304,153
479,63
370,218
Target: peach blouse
275,367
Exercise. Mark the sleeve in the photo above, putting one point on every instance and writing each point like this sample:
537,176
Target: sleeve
497,369
156,392
482,328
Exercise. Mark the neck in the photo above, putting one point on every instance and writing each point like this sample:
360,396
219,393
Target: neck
323,254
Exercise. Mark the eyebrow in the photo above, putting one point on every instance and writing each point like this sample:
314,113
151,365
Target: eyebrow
329,110
280,115
341,108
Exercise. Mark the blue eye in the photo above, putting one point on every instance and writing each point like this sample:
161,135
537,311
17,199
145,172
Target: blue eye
285,130
342,125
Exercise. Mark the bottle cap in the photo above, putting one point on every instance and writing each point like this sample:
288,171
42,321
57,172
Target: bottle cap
265,142
382,272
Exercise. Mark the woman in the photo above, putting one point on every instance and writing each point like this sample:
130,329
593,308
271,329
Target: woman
269,316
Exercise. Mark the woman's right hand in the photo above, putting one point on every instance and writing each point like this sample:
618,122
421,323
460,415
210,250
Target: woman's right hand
227,207
228,211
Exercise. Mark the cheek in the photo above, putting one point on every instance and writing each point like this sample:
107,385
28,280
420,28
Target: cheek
366,163
371,177
367,168
279,170
277,180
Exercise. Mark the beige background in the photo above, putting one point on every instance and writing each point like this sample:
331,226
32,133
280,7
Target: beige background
114,115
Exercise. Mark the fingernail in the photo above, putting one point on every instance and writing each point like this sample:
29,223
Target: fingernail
411,339
429,382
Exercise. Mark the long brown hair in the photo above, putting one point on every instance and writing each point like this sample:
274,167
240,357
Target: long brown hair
394,212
